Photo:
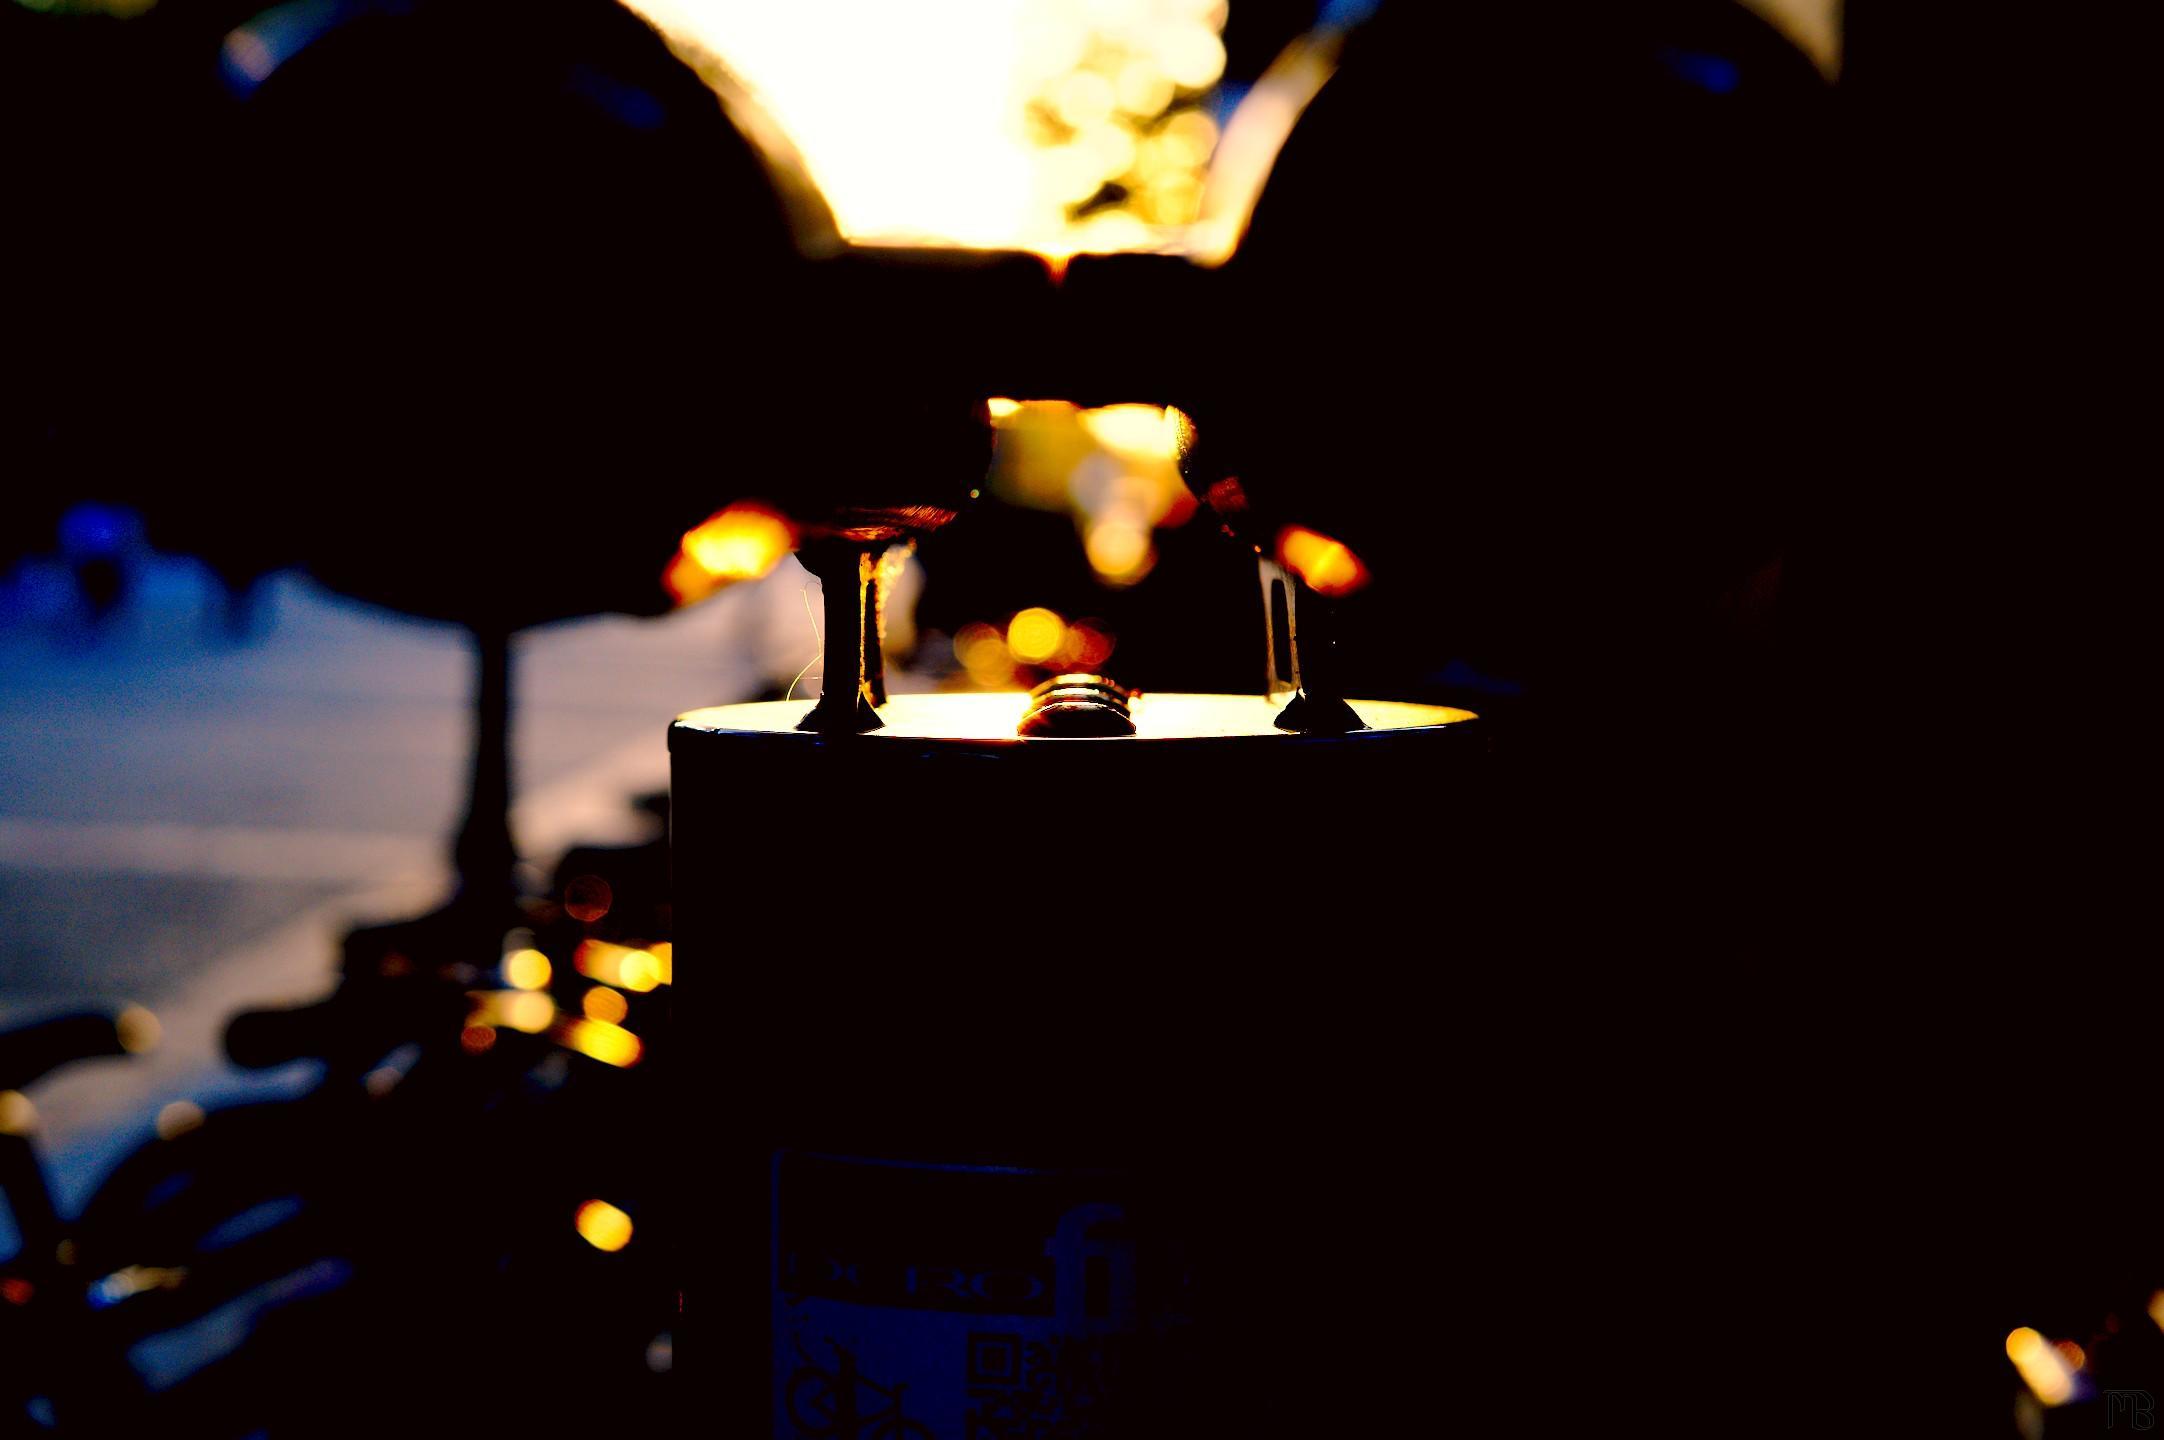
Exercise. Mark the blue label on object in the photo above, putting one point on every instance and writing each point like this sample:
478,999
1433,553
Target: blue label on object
949,1302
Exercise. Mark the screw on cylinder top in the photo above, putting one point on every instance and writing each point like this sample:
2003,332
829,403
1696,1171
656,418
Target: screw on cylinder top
1076,707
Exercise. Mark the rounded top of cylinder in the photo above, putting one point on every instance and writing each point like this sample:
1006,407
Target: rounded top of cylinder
991,718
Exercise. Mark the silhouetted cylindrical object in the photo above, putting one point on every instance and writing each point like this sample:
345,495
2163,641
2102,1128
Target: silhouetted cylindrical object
1004,1104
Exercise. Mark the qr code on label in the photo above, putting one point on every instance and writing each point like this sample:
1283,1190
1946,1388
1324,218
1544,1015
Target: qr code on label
1058,1388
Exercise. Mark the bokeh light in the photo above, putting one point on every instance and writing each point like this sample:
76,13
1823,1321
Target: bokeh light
1034,641
530,1011
138,1030
1035,635
526,1010
600,1040
1119,550
133,1280
603,1226
742,542
984,656
1086,647
627,967
178,1118
1328,566
587,898
1115,470
2043,1369
526,969
606,1005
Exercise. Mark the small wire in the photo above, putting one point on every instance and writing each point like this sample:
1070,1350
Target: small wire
819,645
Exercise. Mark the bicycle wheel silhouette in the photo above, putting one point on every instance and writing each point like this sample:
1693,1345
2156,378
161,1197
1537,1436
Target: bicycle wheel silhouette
813,1403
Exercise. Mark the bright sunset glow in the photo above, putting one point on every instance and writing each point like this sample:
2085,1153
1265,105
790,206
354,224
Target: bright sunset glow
980,122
